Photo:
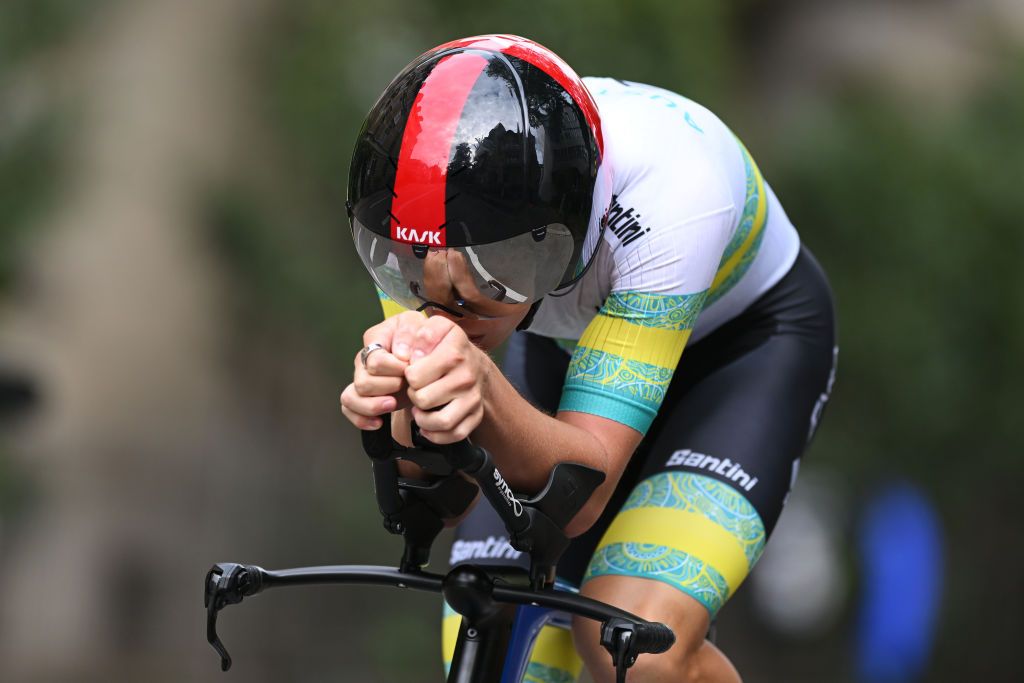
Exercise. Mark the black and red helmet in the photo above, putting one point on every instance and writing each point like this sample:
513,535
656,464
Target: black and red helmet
490,146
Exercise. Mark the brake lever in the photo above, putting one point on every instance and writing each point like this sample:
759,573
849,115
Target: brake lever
617,639
227,584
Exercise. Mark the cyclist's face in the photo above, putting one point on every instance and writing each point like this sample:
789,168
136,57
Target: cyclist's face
447,281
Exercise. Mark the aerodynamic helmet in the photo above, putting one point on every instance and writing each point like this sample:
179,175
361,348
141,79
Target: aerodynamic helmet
489,147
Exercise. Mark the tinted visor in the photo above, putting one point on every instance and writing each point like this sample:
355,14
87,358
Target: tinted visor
518,270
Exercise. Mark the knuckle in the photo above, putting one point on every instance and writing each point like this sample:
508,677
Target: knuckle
372,333
464,380
424,419
356,419
374,363
414,378
408,321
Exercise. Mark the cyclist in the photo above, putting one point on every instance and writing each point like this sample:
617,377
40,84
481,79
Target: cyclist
598,226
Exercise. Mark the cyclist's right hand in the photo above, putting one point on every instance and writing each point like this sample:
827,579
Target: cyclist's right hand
380,386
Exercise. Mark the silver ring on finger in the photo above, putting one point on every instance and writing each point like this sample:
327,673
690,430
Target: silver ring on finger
367,350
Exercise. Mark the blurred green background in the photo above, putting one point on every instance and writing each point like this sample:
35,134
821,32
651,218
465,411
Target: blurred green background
180,305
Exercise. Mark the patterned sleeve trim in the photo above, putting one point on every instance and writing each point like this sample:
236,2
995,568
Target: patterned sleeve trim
745,244
624,361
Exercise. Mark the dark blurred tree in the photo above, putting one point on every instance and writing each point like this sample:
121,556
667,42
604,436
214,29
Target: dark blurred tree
31,142
28,168
28,26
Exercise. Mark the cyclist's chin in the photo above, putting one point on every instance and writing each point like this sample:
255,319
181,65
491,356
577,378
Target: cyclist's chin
490,334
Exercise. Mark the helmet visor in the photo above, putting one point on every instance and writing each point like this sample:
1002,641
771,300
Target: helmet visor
519,270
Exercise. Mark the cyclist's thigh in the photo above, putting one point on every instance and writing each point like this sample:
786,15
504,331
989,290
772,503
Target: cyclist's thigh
721,457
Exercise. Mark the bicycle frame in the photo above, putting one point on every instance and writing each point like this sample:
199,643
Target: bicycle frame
525,629
501,649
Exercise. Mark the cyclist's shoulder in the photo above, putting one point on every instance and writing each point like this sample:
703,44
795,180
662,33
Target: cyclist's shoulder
611,91
650,111
665,149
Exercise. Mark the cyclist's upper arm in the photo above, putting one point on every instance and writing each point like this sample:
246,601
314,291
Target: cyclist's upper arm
624,361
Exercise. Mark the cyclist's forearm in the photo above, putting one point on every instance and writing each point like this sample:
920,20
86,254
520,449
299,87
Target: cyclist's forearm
527,443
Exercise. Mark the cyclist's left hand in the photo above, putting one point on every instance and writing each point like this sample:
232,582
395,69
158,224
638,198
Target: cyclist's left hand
447,378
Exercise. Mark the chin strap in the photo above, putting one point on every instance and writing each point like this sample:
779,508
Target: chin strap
529,316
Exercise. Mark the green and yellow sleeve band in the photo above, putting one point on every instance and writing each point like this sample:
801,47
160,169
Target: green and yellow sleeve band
624,361
746,241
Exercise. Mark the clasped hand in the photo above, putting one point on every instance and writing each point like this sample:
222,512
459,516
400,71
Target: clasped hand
426,364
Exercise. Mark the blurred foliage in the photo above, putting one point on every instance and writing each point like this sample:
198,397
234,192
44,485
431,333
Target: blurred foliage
17,489
28,171
918,223
917,220
27,26
29,168
29,145
292,272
